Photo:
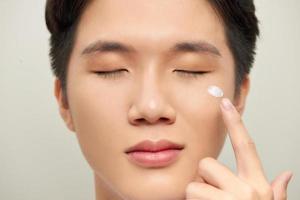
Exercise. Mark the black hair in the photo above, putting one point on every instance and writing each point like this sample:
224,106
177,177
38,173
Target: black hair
238,16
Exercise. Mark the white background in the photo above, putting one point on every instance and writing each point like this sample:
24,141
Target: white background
40,158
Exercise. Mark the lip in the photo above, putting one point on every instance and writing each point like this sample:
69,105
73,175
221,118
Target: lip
148,145
154,154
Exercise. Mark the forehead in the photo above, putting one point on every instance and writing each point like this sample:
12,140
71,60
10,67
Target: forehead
149,25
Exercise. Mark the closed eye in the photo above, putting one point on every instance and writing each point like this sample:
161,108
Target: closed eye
193,74
119,72
111,74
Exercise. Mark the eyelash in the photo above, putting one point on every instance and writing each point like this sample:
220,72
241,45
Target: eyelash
119,72
110,74
193,74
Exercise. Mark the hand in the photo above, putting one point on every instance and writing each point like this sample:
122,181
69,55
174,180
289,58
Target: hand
250,183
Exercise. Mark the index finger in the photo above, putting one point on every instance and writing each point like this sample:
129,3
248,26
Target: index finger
248,162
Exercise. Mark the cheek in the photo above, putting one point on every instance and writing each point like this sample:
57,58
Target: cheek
210,134
97,117
202,119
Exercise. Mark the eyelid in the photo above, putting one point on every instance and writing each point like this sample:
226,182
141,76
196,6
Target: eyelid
110,71
118,72
193,74
110,74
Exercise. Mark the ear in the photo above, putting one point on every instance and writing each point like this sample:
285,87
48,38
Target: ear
240,99
63,105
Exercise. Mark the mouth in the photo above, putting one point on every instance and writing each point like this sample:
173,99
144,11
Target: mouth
154,154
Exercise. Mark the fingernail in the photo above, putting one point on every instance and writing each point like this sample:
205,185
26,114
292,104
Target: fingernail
226,104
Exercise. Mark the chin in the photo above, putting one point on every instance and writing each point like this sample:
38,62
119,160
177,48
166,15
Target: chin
156,185
163,193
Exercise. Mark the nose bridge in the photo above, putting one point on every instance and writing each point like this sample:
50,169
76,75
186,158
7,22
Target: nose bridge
150,84
150,99
150,103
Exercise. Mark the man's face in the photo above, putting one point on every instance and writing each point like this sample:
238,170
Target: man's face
151,99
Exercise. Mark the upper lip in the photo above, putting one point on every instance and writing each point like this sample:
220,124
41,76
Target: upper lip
148,145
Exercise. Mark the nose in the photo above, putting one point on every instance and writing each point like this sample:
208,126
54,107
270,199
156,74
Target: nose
151,105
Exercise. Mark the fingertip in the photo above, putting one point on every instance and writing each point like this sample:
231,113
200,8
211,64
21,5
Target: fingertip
289,175
226,104
280,185
286,178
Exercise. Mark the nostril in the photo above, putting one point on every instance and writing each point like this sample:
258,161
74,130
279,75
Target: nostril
140,120
145,121
164,119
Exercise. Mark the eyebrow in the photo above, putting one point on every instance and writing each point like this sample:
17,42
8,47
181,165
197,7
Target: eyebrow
103,46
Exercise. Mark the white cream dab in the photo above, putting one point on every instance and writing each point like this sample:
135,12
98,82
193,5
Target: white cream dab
215,91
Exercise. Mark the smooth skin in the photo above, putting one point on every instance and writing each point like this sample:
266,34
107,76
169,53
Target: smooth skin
250,183
151,98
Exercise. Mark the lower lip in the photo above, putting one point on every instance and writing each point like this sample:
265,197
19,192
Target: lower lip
154,159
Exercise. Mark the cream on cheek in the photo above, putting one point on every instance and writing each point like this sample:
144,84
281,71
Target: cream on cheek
215,91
